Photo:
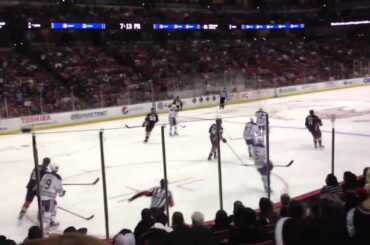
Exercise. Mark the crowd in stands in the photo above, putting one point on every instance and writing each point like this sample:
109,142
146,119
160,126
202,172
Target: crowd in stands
77,74
339,214
83,75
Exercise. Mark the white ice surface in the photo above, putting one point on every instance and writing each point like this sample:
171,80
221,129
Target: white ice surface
133,166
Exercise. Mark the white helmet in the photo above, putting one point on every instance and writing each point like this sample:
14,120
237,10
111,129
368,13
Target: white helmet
54,167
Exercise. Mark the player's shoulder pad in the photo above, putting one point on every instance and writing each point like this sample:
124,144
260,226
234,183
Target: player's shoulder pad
57,175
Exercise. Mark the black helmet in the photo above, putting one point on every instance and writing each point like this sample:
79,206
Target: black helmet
311,112
46,161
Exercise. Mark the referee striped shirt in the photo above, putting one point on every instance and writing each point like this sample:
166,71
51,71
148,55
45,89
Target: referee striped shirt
159,197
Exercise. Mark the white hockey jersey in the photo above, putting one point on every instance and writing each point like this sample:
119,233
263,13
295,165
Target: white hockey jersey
173,112
250,131
259,155
50,185
261,118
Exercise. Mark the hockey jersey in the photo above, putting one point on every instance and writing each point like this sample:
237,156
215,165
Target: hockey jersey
51,185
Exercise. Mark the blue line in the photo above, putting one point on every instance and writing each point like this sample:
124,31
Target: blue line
326,131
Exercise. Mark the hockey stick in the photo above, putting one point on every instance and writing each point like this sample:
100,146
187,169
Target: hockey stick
240,138
274,165
126,126
240,160
77,215
253,165
92,183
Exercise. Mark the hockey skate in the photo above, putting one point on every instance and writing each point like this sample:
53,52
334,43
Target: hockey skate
176,133
210,157
53,225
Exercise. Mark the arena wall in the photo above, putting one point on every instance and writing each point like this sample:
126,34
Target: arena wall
55,120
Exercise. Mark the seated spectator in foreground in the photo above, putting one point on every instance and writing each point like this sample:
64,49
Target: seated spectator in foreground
249,231
181,232
72,229
5,241
158,233
350,181
70,239
358,221
365,179
332,185
330,225
284,200
292,228
124,237
267,214
235,218
199,233
222,221
144,224
34,232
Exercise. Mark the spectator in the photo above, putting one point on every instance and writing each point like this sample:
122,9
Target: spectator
267,214
330,225
222,221
70,239
158,233
332,185
293,229
284,200
199,233
365,179
249,232
144,224
34,232
236,217
181,232
358,221
350,181
124,237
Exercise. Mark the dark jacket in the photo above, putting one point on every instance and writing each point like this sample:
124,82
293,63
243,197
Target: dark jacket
142,227
180,235
246,235
202,236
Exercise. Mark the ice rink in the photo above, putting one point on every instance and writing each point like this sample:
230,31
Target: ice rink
133,166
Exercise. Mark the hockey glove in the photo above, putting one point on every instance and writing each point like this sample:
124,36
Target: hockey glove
143,124
62,193
224,140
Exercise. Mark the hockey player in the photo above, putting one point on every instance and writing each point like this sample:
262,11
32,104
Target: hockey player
313,124
178,103
31,186
172,119
261,118
215,139
223,95
150,120
260,160
158,203
250,132
51,185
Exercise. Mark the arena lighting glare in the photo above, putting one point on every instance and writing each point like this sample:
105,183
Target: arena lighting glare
350,23
2,23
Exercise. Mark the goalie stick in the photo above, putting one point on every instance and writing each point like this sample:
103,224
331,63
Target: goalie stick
77,215
92,183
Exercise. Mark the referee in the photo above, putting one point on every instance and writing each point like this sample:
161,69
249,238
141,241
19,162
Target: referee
158,194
